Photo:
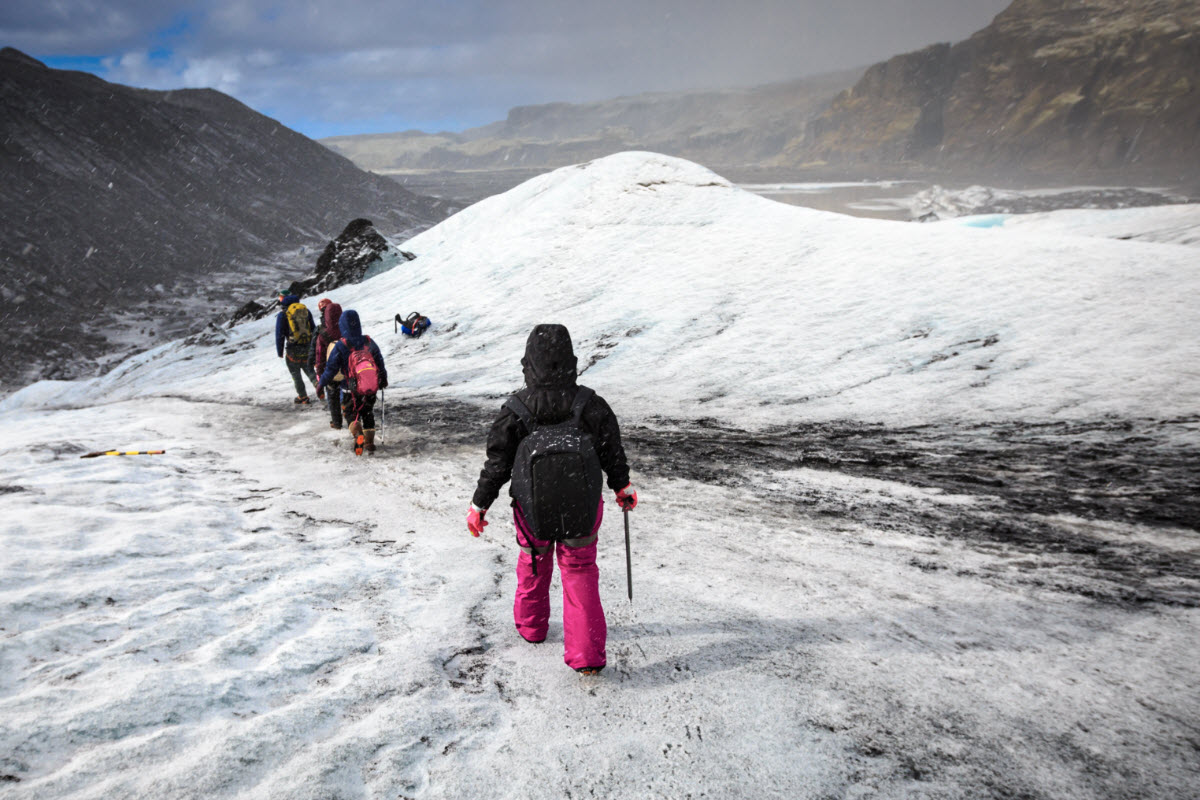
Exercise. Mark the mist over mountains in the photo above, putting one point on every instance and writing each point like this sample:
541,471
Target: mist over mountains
132,213
1094,89
732,126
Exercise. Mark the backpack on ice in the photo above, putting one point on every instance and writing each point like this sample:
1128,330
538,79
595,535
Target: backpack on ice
299,324
556,478
413,325
362,375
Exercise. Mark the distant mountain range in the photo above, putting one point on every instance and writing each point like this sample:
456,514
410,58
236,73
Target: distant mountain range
128,213
1051,88
735,126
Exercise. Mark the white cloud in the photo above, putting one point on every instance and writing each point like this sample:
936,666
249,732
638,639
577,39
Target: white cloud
222,74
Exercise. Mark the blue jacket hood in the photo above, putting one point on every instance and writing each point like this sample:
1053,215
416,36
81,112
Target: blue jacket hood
288,300
351,328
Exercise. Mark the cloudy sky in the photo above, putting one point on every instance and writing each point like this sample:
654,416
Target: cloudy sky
327,67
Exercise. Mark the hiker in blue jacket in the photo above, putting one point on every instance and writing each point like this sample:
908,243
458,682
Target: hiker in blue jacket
363,379
293,341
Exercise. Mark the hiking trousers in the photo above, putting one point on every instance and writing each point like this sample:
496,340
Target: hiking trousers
585,631
297,363
333,396
360,407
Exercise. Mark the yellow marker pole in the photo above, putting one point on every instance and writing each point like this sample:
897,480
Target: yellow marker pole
124,453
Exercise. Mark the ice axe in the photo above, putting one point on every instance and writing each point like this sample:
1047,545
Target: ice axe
628,559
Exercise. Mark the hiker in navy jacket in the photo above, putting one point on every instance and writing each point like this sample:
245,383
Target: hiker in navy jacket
358,408
298,353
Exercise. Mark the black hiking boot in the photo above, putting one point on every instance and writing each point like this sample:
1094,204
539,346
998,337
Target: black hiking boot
302,401
589,670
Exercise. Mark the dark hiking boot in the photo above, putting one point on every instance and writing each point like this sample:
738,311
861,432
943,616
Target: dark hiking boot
302,401
356,431
589,670
531,641
369,436
337,426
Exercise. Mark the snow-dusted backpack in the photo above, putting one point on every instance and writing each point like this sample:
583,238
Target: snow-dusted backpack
556,478
299,324
362,374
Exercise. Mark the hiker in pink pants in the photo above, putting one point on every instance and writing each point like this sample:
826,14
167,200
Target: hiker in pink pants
584,628
586,441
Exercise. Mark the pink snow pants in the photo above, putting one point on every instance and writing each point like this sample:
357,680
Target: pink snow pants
584,628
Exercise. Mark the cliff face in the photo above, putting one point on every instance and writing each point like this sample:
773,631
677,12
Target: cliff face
116,199
1070,86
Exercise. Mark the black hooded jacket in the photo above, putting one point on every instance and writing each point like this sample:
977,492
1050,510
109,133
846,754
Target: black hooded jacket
550,387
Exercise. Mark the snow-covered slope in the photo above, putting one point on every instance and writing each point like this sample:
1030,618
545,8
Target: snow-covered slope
259,614
1171,224
688,297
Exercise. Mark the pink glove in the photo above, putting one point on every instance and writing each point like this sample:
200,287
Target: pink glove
475,521
627,498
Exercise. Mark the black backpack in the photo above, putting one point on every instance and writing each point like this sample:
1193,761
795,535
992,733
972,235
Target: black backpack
556,478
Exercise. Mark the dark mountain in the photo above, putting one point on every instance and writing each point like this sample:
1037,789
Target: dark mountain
729,127
1070,87
132,213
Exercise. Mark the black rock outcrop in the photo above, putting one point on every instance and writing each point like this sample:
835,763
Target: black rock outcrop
344,260
348,257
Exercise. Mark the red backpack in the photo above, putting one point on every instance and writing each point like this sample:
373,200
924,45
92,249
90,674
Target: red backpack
362,375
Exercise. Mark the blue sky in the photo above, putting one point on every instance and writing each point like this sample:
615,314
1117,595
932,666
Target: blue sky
327,67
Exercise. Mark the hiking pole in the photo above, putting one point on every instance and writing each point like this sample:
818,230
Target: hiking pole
124,453
383,413
628,560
